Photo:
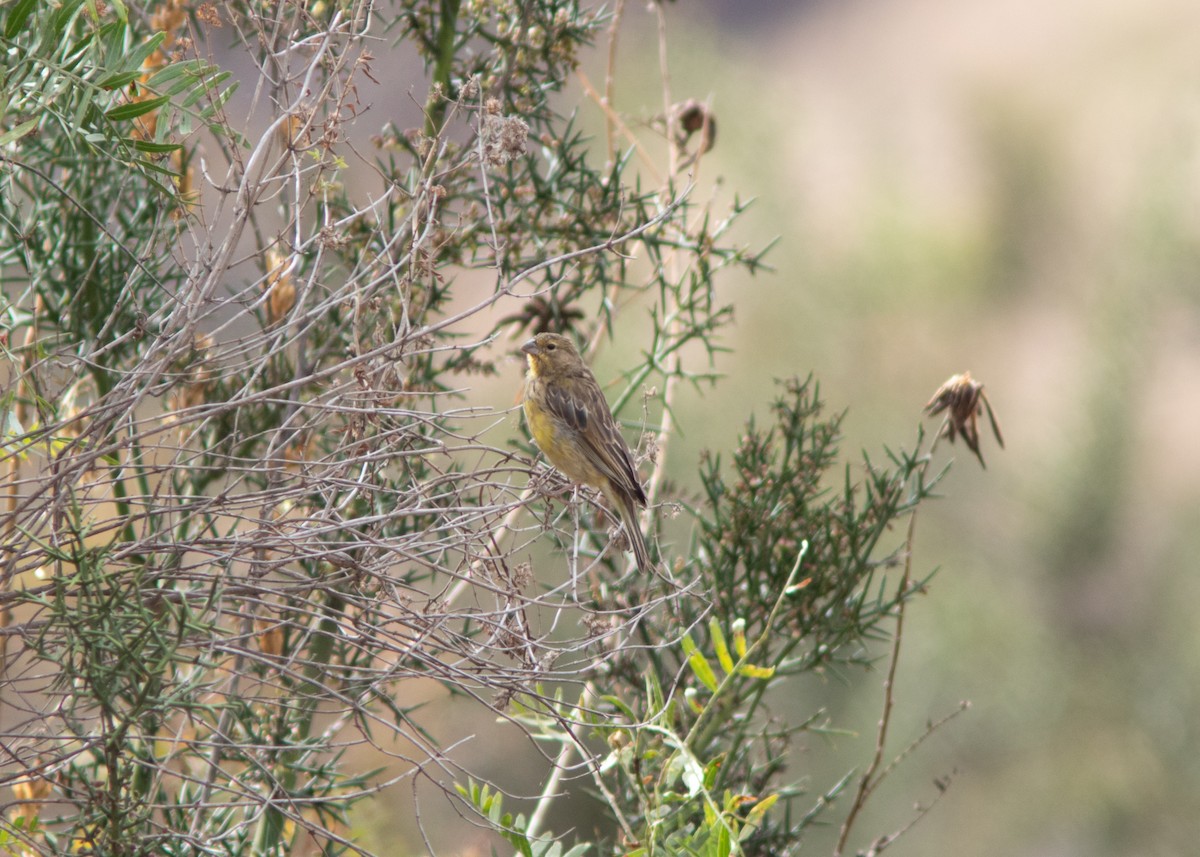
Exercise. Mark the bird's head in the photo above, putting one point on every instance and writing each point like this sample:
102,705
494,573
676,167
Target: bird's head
550,353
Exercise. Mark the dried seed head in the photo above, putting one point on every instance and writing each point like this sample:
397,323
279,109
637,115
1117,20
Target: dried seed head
185,184
270,637
694,116
289,134
963,400
207,13
169,17
281,290
32,792
504,139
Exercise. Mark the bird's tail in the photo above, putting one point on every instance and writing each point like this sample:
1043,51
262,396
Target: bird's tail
629,518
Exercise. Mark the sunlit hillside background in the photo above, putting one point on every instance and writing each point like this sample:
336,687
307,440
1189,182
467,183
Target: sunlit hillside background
1010,188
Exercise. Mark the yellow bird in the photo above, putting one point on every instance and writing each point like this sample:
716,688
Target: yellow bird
571,423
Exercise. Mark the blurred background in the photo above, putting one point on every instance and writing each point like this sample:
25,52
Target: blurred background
1009,187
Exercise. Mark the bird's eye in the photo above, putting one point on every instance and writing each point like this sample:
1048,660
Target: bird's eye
550,346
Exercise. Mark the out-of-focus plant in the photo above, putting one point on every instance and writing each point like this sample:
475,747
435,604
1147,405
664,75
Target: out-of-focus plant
795,574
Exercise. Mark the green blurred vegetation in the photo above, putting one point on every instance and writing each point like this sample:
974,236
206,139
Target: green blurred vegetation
1061,271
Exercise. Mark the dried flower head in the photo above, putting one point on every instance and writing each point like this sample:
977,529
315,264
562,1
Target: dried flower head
963,400
504,138
281,290
207,13
185,183
31,793
270,637
296,130
694,116
169,17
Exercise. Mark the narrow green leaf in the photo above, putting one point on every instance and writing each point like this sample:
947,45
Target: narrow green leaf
226,93
61,19
718,637
118,80
151,166
113,37
138,55
195,95
163,189
134,109
711,770
699,664
724,845
17,133
755,671
175,77
210,86
155,148
739,637
17,16
514,836
755,816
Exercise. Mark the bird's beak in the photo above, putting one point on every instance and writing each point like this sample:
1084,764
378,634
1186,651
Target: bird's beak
530,347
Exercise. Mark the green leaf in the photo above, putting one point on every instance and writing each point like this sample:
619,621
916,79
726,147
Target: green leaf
739,637
17,16
210,85
134,109
113,38
755,816
17,133
711,770
155,148
521,843
118,80
724,845
152,166
176,77
61,19
138,55
718,636
699,664
756,672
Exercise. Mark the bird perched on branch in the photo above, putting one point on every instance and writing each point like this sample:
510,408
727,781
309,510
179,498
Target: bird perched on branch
571,423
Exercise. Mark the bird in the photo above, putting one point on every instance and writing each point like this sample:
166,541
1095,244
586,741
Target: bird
572,425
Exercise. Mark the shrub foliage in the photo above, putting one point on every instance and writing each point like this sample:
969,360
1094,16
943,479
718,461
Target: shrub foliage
256,504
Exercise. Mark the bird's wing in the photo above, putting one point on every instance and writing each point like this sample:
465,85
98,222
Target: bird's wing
585,409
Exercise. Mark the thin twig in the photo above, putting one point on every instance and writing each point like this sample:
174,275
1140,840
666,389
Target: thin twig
868,782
